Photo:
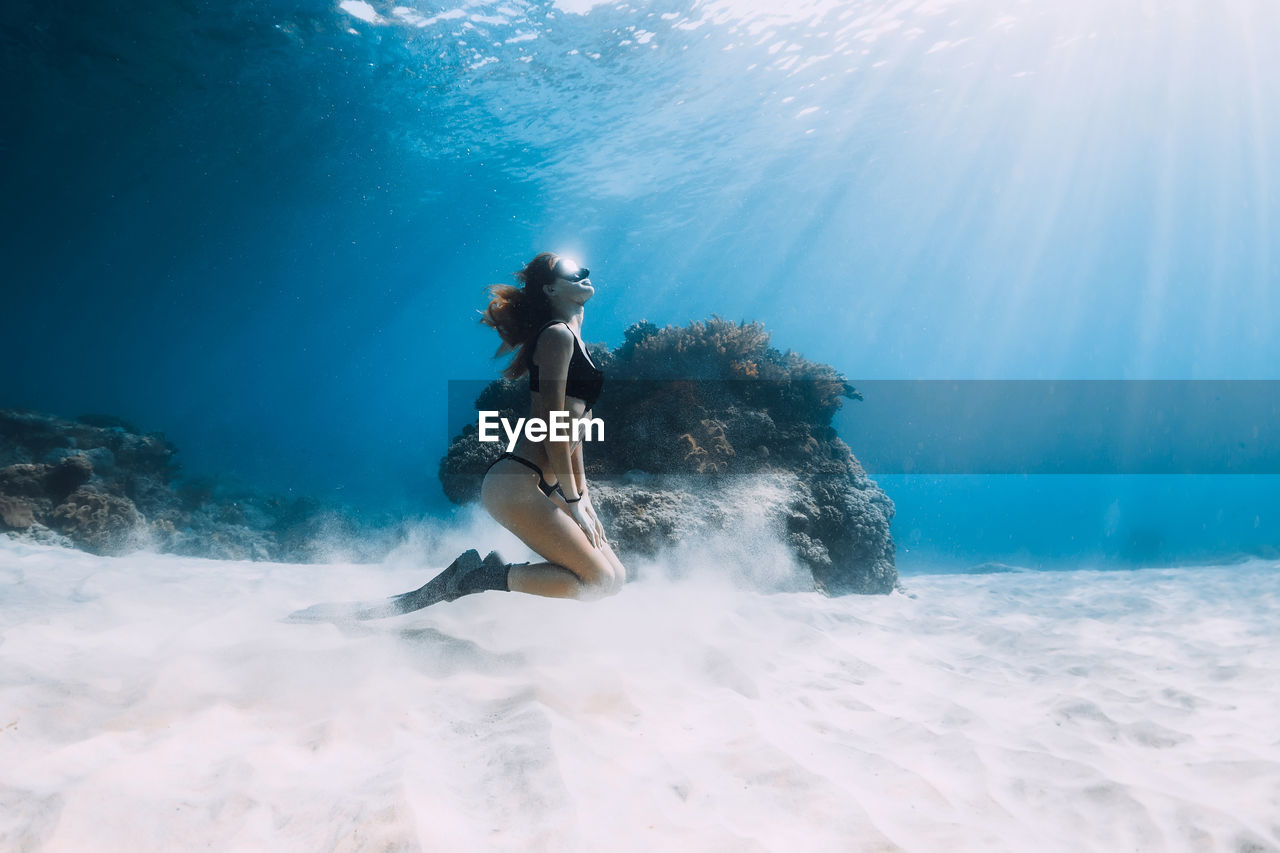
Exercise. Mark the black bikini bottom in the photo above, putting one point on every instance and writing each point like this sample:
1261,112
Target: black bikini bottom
542,481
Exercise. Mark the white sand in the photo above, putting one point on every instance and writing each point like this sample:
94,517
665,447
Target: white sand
157,703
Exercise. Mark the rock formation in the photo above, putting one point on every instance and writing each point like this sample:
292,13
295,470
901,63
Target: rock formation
98,483
698,415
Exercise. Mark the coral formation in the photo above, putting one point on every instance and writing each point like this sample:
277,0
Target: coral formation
96,483
98,522
712,408
15,513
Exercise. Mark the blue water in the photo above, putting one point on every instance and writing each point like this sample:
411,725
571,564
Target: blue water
264,228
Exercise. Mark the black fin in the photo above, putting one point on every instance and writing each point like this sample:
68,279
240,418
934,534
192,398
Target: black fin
443,587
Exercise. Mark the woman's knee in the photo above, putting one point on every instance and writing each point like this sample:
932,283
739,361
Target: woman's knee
618,578
596,575
619,571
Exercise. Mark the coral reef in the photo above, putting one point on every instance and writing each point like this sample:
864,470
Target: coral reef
714,411
99,522
96,483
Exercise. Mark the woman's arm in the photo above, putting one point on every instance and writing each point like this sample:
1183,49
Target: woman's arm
580,471
579,467
555,348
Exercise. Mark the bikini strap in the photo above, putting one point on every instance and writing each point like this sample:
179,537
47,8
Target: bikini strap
533,342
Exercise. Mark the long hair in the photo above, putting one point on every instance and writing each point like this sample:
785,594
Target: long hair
517,312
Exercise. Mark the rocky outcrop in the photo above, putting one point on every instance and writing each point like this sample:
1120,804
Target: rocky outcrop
41,495
695,418
99,522
97,483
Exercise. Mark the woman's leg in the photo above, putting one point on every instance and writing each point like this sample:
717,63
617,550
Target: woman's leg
619,571
574,569
556,581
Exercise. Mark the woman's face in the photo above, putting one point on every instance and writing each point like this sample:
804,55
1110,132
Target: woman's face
568,285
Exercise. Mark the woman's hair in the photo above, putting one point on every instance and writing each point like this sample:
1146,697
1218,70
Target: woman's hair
517,312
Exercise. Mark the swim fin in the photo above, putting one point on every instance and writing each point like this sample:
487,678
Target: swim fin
435,589
465,575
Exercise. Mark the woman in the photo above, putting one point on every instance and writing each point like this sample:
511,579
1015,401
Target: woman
539,492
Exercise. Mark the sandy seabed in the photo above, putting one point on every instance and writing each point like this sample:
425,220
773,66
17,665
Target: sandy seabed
161,703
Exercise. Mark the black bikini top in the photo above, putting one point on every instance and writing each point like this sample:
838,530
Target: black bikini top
585,380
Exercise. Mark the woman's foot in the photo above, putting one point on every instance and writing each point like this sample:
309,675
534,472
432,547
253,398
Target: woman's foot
466,575
441,587
490,574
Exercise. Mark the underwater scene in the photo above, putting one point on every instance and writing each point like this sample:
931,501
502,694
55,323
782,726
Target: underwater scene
732,425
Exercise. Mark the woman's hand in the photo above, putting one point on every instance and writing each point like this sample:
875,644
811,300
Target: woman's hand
585,520
591,512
